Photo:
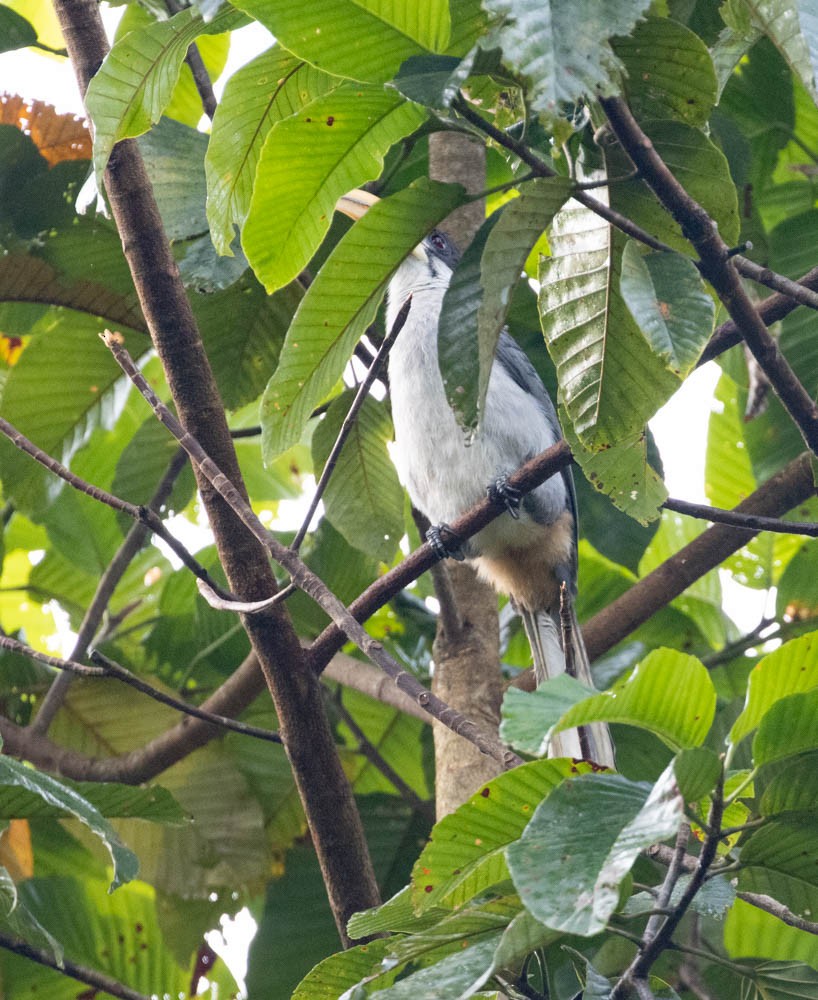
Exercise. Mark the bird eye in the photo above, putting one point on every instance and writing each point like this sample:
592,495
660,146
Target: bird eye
438,241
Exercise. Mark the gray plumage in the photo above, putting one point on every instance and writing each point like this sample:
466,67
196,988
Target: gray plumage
529,557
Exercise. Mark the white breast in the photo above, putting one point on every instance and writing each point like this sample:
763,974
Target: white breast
444,474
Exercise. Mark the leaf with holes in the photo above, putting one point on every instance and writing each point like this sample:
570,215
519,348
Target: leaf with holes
332,145
274,86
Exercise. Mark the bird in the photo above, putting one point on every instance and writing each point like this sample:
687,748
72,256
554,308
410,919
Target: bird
529,552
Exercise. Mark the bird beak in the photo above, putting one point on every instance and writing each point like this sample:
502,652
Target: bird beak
357,203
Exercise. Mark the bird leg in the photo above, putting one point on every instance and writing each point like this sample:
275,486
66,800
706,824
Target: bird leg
500,492
445,543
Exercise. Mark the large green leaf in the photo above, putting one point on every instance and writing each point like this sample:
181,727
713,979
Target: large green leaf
309,160
790,727
250,106
791,26
669,71
562,47
108,798
529,716
363,498
699,166
330,978
16,775
136,81
669,693
610,383
479,297
581,843
790,669
465,853
794,788
85,390
449,978
360,39
341,303
667,298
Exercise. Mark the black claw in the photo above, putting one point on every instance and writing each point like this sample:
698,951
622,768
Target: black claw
445,543
500,492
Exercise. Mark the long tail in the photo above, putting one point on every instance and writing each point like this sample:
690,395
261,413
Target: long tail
591,742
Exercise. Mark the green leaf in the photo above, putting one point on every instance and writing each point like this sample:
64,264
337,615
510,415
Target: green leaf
751,932
790,727
622,473
699,166
396,915
529,716
464,855
668,693
448,979
610,383
667,298
249,108
363,498
13,774
713,899
114,801
377,37
15,31
697,771
669,72
330,978
793,789
562,47
479,296
792,28
581,843
790,669
309,160
173,155
136,81
341,303
787,846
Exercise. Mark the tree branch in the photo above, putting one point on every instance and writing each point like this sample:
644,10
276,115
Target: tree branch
303,577
108,583
716,266
108,668
329,805
97,980
753,522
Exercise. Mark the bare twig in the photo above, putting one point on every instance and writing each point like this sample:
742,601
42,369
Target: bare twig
139,513
98,981
752,521
778,282
303,577
349,420
653,947
108,583
107,668
716,266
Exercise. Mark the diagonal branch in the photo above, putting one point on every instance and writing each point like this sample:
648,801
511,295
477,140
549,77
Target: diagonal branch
716,266
108,583
302,576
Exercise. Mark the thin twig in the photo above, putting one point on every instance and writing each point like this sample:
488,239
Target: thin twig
97,980
108,583
107,668
137,512
674,871
201,78
778,282
541,169
652,948
716,266
752,522
349,420
303,577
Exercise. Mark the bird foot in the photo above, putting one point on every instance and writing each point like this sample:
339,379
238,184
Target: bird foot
501,492
446,544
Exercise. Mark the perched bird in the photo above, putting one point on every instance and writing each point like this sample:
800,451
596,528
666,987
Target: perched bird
529,552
